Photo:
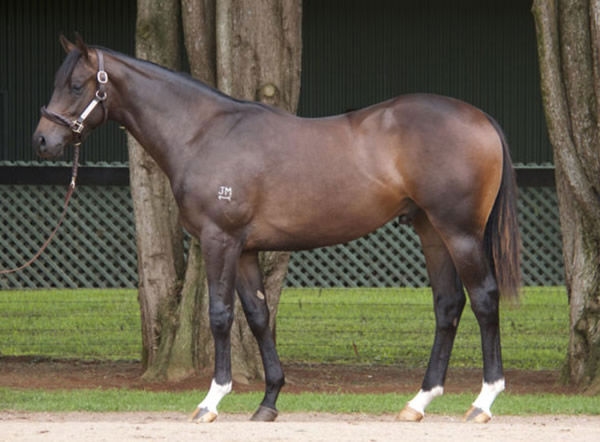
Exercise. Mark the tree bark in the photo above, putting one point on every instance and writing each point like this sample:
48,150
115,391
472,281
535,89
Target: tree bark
568,33
258,54
198,17
158,235
173,295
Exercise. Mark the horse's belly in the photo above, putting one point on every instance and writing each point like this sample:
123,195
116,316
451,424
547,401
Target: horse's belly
321,226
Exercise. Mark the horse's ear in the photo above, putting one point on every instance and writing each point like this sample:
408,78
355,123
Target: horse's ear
81,45
66,44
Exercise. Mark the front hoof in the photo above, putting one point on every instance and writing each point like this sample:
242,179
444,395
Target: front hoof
203,416
477,415
409,414
264,414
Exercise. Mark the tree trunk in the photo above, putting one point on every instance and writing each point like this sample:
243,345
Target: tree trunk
568,33
258,54
174,303
158,235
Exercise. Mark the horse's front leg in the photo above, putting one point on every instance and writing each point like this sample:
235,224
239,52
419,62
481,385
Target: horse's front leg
253,297
221,255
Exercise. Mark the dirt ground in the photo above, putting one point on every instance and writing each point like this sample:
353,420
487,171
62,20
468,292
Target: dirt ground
295,427
89,427
29,372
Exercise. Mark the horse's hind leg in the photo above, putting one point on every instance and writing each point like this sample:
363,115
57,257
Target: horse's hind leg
474,269
473,266
252,295
449,301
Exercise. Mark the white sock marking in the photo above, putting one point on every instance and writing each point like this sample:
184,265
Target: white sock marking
214,396
488,395
424,398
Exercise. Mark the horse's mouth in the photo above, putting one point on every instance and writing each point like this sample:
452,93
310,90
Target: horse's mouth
48,153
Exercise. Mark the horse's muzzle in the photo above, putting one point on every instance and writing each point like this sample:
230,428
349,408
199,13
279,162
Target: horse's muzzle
46,146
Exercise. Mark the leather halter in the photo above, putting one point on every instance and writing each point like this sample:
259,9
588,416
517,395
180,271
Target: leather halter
77,125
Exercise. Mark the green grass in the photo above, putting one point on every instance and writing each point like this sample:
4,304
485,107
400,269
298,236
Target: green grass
364,326
137,400
90,324
397,326
333,325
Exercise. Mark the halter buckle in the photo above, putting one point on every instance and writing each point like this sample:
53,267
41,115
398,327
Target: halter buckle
77,126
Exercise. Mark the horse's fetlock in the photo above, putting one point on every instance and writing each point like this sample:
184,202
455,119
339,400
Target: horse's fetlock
279,382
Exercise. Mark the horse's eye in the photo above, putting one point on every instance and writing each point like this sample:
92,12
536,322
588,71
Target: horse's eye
76,88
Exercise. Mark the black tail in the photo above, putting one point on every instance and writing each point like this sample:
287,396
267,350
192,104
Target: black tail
502,238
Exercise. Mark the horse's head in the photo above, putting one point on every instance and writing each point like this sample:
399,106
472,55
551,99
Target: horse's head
72,113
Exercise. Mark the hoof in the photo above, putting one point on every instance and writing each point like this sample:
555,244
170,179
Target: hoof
203,416
476,415
409,414
264,414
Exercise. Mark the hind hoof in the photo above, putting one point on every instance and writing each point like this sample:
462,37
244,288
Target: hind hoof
264,414
409,414
477,415
203,416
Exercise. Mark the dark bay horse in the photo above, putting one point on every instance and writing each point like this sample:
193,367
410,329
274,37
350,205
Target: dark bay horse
248,177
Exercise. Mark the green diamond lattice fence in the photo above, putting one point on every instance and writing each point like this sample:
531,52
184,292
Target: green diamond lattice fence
95,247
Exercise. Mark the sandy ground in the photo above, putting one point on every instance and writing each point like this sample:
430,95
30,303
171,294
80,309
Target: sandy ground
91,427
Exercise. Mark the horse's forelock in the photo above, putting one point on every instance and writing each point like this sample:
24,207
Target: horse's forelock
63,74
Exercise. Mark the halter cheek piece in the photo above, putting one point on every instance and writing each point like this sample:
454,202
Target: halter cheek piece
77,125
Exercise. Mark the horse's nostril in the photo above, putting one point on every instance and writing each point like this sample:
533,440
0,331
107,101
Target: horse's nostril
41,141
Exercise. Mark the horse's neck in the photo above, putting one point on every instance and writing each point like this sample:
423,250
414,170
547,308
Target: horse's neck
161,110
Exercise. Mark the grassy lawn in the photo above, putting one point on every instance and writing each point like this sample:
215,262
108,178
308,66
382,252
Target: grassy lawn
376,326
137,400
397,326
381,326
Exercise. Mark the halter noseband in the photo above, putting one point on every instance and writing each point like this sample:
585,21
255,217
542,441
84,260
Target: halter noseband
77,125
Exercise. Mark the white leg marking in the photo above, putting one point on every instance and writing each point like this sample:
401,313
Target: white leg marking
488,395
214,396
424,398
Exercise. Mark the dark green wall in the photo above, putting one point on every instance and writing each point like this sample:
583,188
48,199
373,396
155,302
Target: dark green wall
357,53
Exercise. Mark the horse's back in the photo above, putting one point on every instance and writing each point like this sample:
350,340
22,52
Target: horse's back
335,179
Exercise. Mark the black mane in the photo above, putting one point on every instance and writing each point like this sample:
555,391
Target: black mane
184,77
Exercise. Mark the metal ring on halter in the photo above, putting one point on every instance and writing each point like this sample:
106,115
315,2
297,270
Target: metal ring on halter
102,77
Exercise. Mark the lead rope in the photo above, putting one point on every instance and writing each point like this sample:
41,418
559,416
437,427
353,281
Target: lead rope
70,191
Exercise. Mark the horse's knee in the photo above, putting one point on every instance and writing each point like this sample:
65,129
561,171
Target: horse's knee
221,318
